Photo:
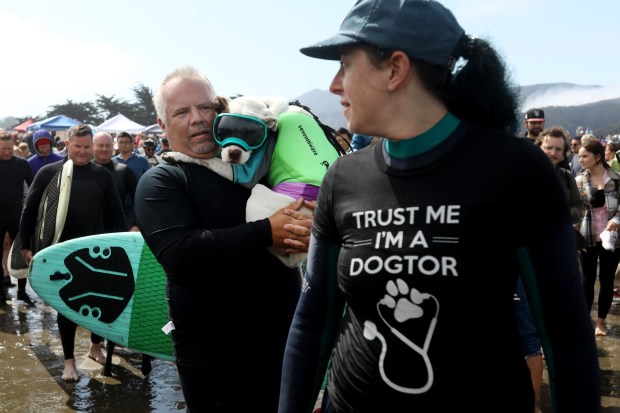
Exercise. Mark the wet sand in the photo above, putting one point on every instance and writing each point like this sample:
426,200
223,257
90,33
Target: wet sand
609,363
31,366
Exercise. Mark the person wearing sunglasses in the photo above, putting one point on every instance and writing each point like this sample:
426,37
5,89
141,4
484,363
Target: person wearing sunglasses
413,244
230,300
149,152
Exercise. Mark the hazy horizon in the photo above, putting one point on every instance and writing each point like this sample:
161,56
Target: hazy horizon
67,50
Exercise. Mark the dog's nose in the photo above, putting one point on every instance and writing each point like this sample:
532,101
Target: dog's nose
234,155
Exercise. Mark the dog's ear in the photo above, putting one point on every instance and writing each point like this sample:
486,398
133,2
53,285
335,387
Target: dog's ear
221,104
276,104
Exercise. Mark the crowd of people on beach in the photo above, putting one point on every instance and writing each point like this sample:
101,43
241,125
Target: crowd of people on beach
403,254
26,179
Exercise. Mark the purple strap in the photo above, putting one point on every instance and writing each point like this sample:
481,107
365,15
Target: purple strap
297,189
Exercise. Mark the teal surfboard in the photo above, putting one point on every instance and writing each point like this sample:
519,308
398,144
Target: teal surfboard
110,284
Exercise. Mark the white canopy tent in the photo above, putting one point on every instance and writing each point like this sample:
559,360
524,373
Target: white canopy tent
120,123
153,129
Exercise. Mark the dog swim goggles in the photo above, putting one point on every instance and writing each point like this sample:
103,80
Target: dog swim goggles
246,131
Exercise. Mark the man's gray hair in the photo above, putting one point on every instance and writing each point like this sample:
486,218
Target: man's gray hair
181,73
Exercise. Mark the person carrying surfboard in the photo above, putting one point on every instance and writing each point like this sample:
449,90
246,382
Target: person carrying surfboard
230,300
89,196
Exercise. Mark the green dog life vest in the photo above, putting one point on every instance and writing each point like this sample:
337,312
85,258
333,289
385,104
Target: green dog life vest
302,152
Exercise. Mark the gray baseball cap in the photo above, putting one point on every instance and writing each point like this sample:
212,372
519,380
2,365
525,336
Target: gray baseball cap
423,29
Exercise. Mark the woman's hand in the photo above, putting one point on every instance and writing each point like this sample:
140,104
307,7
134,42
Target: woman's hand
612,226
290,226
300,228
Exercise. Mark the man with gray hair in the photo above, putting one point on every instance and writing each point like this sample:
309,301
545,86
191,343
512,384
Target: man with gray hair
124,178
230,300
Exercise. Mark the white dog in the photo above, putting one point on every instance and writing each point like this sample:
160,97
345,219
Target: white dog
263,202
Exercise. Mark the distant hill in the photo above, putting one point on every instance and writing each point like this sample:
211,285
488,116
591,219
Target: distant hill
565,104
326,106
601,116
8,122
599,109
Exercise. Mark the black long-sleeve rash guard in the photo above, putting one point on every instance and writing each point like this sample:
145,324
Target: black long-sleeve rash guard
219,270
185,218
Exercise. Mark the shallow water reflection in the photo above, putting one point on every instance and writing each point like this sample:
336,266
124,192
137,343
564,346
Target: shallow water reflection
31,367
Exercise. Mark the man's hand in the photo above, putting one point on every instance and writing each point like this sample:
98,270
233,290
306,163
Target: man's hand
26,255
290,227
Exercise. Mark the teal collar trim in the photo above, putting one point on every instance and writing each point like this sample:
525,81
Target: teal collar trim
425,142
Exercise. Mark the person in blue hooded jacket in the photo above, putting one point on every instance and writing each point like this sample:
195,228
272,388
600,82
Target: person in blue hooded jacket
43,151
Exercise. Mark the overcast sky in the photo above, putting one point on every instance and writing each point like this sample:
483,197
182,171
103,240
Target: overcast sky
68,49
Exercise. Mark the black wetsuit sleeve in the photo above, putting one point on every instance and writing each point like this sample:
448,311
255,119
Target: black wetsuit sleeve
27,172
28,221
313,332
168,214
130,184
114,207
558,304
13,174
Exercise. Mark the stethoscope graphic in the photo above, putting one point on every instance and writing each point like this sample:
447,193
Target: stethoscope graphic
371,332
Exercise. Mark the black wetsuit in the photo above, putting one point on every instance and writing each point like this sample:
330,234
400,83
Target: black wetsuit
425,257
14,173
126,182
230,300
93,197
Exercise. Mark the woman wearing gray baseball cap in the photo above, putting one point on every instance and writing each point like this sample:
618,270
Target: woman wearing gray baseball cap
419,239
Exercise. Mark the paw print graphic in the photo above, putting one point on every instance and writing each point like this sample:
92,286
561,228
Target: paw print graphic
403,300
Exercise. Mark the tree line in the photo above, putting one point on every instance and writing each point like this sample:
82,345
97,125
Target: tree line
140,110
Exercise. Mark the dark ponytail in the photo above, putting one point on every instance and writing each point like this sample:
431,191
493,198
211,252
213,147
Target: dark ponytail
475,86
